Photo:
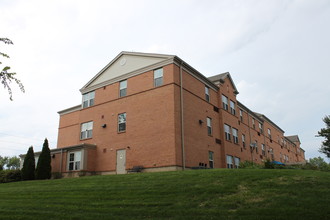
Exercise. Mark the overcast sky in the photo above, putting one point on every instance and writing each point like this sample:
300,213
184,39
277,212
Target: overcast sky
277,52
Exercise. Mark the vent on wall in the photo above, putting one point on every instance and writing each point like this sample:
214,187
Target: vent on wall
216,109
218,141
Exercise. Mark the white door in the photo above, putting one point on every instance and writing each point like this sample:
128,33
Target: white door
121,162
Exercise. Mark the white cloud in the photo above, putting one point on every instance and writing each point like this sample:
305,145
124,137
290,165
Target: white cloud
276,51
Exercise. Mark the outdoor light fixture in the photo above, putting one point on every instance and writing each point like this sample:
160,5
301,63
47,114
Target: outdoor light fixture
104,125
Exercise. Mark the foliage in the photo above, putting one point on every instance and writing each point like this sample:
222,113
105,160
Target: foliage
28,170
317,163
249,165
196,194
7,77
44,168
3,162
12,163
325,132
7,176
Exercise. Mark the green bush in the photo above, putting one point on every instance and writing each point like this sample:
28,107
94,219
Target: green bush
7,176
249,165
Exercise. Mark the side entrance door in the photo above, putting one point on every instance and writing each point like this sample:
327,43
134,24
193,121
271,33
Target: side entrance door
121,162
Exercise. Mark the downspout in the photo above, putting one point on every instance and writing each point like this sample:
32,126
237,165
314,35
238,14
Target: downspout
61,160
182,121
250,137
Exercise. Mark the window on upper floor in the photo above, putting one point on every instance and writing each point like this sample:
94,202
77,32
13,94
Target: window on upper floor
253,123
86,130
269,133
224,102
229,160
263,149
232,108
241,115
260,128
158,77
88,99
74,161
207,94
227,132
122,122
235,135
123,88
243,140
209,126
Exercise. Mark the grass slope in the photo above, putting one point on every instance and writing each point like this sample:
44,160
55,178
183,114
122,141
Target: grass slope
198,194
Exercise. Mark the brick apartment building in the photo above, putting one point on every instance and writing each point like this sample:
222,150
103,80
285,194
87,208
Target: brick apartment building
157,111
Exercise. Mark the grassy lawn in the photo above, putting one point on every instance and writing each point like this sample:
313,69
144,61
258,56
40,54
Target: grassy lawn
198,194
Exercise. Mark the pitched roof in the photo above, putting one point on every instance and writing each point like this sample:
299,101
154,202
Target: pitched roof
293,138
268,120
220,78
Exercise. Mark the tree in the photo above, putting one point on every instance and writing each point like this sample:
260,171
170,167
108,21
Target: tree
13,163
44,167
325,132
7,77
3,162
29,165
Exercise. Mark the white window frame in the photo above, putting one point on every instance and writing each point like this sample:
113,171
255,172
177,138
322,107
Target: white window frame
232,107
263,149
158,77
241,115
86,130
243,140
227,129
260,128
224,102
235,135
229,162
211,159
207,94
88,99
253,123
269,133
122,122
74,162
237,161
209,125
123,88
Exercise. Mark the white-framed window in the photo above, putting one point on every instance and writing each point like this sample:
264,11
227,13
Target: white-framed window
225,102
237,161
256,146
269,133
123,88
74,160
263,149
243,140
241,115
207,94
227,132
260,128
122,122
211,162
209,125
158,77
229,160
86,130
232,107
253,123
235,135
88,99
